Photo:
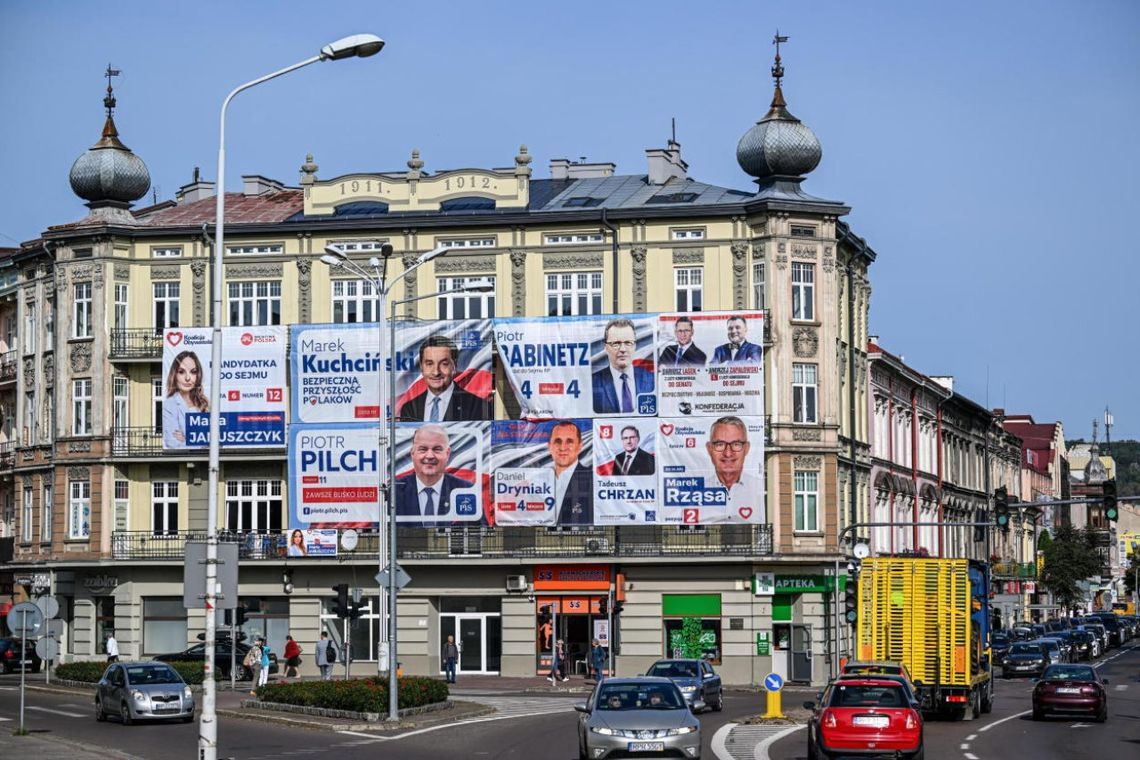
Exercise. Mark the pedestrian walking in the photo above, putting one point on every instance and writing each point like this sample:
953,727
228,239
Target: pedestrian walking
252,663
450,656
265,650
598,659
292,657
558,663
326,656
112,648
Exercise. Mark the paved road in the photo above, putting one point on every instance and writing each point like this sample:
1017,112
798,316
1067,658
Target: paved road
1009,734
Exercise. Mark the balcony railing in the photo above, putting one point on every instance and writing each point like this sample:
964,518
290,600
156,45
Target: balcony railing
7,455
491,543
1014,570
136,441
139,343
8,366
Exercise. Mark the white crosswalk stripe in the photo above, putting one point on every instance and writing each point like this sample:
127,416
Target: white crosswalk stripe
523,706
742,740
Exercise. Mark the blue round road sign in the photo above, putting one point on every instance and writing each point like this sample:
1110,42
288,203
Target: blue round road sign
773,682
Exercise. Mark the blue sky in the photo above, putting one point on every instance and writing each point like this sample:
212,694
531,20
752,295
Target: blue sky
988,149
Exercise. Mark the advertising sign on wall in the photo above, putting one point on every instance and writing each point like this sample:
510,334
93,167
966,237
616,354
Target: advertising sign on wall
443,371
312,543
252,392
334,475
544,473
711,470
335,373
710,364
441,473
625,471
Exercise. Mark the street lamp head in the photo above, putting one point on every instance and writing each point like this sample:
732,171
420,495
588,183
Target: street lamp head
332,261
353,46
335,252
425,258
479,286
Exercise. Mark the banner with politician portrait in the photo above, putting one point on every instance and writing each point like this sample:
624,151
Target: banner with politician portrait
334,476
441,474
625,471
335,372
710,364
711,470
585,366
543,472
251,396
443,371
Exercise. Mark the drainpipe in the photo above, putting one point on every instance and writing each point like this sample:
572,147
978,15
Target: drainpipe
941,512
613,259
854,516
914,460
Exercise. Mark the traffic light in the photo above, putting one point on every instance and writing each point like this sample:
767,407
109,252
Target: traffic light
604,606
287,581
240,614
543,614
1001,507
355,610
850,597
340,606
1111,509
618,607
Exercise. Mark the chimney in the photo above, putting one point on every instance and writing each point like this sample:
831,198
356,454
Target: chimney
255,184
873,340
561,168
946,381
666,164
197,190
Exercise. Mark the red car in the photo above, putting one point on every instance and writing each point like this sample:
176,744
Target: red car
864,716
1068,688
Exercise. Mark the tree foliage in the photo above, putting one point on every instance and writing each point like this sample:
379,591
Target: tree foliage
1070,557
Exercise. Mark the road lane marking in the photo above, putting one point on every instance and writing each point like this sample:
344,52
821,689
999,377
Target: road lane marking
761,752
57,712
717,744
361,733
1003,720
971,756
971,737
964,745
5,720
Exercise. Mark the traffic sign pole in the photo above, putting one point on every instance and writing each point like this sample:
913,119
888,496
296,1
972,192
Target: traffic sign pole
23,664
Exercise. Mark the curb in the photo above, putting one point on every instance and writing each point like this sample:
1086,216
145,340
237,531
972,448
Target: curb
316,723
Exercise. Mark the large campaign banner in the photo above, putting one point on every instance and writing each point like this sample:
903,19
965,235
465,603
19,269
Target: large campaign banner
543,472
441,473
710,364
443,371
336,373
578,367
711,470
335,473
625,471
252,392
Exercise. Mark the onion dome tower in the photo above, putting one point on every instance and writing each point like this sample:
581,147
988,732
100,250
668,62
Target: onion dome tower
779,149
109,176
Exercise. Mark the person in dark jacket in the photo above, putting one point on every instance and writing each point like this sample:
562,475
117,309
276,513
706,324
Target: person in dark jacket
598,660
449,653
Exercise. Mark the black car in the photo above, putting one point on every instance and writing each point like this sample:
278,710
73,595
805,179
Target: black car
12,662
999,645
197,653
1025,658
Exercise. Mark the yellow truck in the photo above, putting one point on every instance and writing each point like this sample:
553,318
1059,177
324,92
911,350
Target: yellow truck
933,616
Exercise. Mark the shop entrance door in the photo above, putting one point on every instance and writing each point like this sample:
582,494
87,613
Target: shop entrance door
479,637
801,653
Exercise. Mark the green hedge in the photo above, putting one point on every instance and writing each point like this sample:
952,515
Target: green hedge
357,694
91,672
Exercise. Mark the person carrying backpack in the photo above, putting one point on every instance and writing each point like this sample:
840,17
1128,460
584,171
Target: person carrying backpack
252,663
326,656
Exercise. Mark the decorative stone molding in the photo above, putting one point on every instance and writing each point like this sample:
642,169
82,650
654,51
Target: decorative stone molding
49,288
807,463
804,252
79,473
81,273
198,270
304,283
29,455
166,273
805,341
806,434
781,261
781,247
78,446
518,281
638,254
61,277
572,260
739,267
80,357
758,251
689,256
97,276
262,271
122,271
29,372
459,264
30,295
49,370
410,283
828,260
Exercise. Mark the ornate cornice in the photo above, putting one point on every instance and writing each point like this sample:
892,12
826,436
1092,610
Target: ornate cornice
122,271
572,260
807,462
255,271
805,342
689,256
459,264
166,273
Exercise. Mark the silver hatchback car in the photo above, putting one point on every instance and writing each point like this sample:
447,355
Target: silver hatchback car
638,717
143,691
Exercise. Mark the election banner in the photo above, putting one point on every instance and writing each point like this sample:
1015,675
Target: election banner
575,367
710,364
711,470
319,542
543,472
625,471
441,473
335,373
334,476
443,371
251,394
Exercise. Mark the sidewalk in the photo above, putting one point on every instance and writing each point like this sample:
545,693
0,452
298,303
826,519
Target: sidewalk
45,746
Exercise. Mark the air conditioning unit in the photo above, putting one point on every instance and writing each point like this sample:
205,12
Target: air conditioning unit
598,546
516,583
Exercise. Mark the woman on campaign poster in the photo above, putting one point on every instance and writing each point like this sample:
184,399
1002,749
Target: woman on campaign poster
183,394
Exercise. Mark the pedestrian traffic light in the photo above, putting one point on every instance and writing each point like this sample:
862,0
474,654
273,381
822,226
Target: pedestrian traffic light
1001,507
604,606
340,606
1111,509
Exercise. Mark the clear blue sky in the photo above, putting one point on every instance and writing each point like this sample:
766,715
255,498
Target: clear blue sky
988,149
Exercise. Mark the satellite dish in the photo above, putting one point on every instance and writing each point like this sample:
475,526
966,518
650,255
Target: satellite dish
348,539
862,551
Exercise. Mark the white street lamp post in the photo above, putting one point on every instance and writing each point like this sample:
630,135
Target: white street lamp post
357,45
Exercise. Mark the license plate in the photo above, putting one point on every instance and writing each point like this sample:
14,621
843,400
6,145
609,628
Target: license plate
646,747
874,721
1068,690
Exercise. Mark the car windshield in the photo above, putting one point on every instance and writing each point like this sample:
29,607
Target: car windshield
1025,649
658,696
880,695
875,670
1069,673
144,674
1000,639
1050,644
673,670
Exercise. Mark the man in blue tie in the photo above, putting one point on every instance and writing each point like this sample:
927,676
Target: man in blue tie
683,352
425,493
737,350
443,400
617,385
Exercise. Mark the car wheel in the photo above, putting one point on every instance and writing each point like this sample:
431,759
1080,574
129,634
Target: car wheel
188,718
719,705
987,705
125,714
1102,716
99,714
1038,713
919,755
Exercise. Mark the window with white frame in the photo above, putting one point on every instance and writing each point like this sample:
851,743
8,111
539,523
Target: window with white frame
689,284
690,233
164,507
157,395
803,231
806,487
122,505
31,417
254,505
30,328
167,301
353,301
120,394
246,250
758,301
459,305
803,291
121,298
255,303
81,407
165,253
573,238
47,423
482,242
81,310
79,509
804,393
46,516
26,522
358,246
573,293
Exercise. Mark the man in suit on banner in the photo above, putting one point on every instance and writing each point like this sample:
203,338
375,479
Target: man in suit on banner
617,385
426,492
573,482
443,400
683,352
738,350
633,460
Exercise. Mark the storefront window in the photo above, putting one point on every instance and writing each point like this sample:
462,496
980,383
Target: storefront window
104,622
164,625
705,609
268,618
709,639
